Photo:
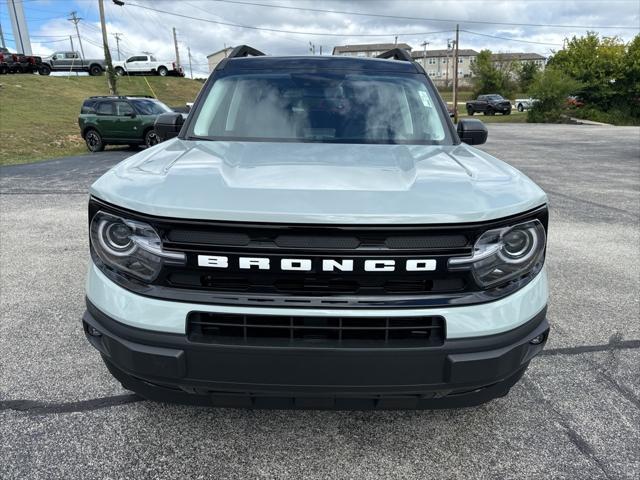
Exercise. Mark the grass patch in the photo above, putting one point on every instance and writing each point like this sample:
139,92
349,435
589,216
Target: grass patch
515,117
39,115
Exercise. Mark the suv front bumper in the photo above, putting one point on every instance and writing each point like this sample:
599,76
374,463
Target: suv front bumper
168,367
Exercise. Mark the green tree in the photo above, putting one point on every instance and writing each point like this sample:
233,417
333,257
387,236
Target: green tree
607,72
527,72
551,88
489,78
597,64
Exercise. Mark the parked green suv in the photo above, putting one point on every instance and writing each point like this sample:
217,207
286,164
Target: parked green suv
119,120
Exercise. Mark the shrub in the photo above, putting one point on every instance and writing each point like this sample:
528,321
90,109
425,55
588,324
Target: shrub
551,88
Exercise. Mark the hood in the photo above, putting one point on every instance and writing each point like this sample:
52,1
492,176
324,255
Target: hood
318,183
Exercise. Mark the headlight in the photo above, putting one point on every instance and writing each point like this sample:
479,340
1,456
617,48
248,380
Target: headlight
130,246
505,253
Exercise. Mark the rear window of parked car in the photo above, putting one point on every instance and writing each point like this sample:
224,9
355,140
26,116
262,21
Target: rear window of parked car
105,108
89,106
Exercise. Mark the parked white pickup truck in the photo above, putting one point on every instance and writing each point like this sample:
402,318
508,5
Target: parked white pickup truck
147,64
523,104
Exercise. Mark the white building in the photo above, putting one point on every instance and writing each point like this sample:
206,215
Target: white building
439,65
367,50
215,58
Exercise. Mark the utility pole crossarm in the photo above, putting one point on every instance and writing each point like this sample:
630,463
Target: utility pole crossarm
117,36
75,20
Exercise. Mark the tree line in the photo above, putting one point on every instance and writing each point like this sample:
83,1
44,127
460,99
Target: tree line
591,77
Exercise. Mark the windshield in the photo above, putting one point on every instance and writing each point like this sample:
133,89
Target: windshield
320,107
151,107
495,97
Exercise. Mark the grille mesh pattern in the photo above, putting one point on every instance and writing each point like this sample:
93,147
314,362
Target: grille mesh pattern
310,331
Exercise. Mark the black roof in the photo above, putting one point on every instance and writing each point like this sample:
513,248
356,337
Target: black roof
317,63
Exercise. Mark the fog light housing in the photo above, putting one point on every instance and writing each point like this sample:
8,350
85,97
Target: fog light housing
93,331
538,339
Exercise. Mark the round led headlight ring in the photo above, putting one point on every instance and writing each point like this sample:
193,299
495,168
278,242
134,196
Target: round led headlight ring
519,244
115,238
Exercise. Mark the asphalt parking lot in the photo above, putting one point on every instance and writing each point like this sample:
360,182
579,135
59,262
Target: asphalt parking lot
576,413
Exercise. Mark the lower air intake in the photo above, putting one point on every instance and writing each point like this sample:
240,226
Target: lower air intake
307,331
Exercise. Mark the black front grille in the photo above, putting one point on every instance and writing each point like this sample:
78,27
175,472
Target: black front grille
308,331
315,285
402,287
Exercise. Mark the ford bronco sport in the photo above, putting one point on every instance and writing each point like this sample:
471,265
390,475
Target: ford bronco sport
318,235
119,120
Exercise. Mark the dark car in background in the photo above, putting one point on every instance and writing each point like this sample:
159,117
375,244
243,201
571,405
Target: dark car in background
119,120
18,62
489,105
6,60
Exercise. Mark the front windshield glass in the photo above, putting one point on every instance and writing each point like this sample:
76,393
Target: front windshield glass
151,107
320,107
495,97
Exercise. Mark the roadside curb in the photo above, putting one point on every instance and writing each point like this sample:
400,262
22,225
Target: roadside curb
580,121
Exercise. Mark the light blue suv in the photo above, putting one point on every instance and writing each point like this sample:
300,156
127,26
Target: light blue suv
318,235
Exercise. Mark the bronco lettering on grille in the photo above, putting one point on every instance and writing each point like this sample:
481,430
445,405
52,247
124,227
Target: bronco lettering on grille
325,265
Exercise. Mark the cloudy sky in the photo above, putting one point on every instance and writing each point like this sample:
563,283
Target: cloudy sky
288,26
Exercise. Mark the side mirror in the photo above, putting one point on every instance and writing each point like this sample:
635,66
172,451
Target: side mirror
472,131
168,125
133,115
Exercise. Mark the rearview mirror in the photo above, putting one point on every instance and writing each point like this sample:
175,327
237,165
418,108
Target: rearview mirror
472,131
168,125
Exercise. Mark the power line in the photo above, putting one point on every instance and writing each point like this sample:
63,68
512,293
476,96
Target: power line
277,30
402,17
512,39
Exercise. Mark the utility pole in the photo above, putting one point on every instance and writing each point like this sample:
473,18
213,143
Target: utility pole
446,72
395,40
2,38
117,35
175,44
73,49
190,69
320,50
424,54
75,20
111,75
455,76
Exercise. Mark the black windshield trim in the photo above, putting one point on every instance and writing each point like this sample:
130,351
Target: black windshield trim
311,140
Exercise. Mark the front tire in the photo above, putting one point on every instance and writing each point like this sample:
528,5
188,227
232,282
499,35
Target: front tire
119,71
151,138
44,70
490,111
163,71
95,70
470,111
94,141
520,107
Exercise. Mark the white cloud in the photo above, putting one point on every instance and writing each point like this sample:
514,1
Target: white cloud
144,30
